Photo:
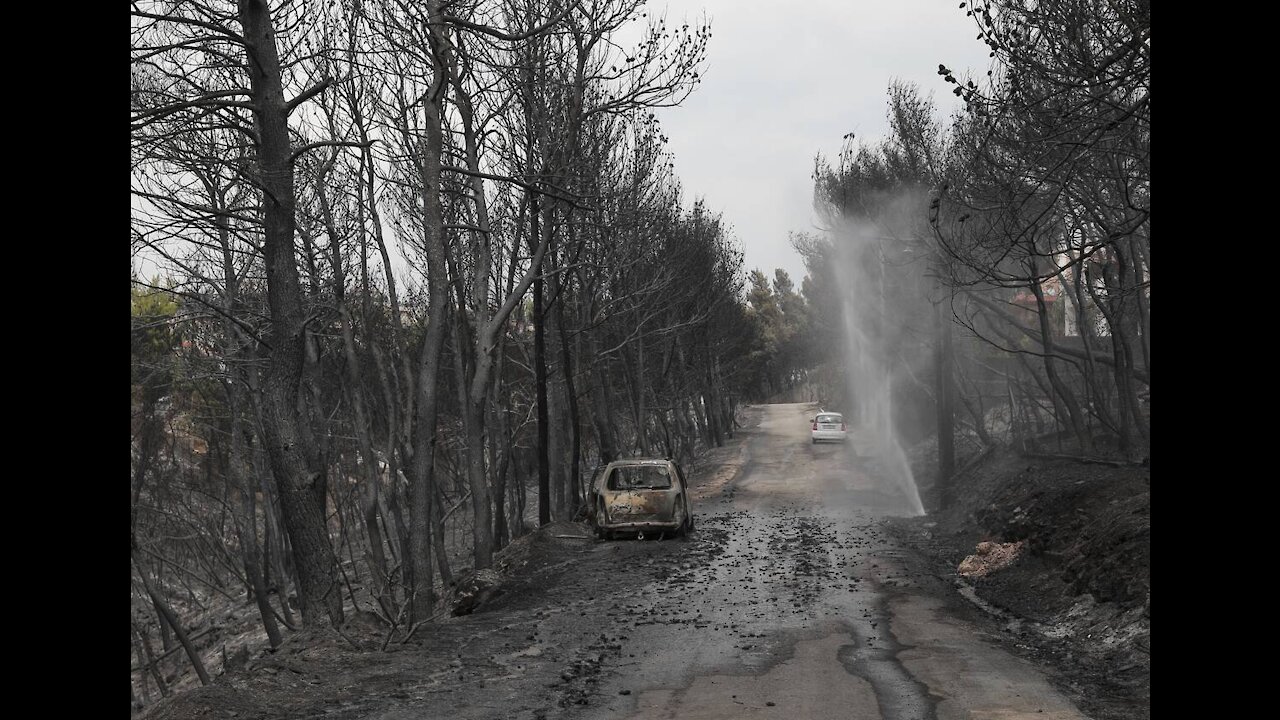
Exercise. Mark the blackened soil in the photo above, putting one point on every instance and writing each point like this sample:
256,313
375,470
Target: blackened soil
1078,599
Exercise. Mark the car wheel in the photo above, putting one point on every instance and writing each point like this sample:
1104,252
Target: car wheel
813,440
599,519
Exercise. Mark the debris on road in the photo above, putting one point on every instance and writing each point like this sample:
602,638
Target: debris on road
990,557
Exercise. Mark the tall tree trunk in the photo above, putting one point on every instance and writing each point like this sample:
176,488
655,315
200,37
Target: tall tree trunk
434,240
237,478
499,455
557,415
575,434
638,401
602,413
1061,392
246,520
943,392
370,476
290,446
540,380
1119,311
391,500
275,555
437,533
711,398
355,393
1075,293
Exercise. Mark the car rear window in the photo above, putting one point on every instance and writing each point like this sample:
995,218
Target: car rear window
830,418
639,476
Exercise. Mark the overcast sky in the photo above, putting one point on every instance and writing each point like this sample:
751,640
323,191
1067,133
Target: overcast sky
787,80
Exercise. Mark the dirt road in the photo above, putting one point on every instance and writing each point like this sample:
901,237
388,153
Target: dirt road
787,602
803,610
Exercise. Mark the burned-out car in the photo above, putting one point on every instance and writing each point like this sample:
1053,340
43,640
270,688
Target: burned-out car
645,496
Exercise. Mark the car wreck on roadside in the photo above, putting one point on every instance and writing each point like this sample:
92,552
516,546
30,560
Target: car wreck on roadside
641,497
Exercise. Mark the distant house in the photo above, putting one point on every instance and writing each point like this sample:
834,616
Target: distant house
1027,310
1064,316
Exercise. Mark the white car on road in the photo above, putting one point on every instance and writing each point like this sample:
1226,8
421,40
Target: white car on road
828,426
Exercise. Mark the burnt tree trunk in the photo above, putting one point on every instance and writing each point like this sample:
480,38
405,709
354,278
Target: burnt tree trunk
170,617
289,443
945,412
540,377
